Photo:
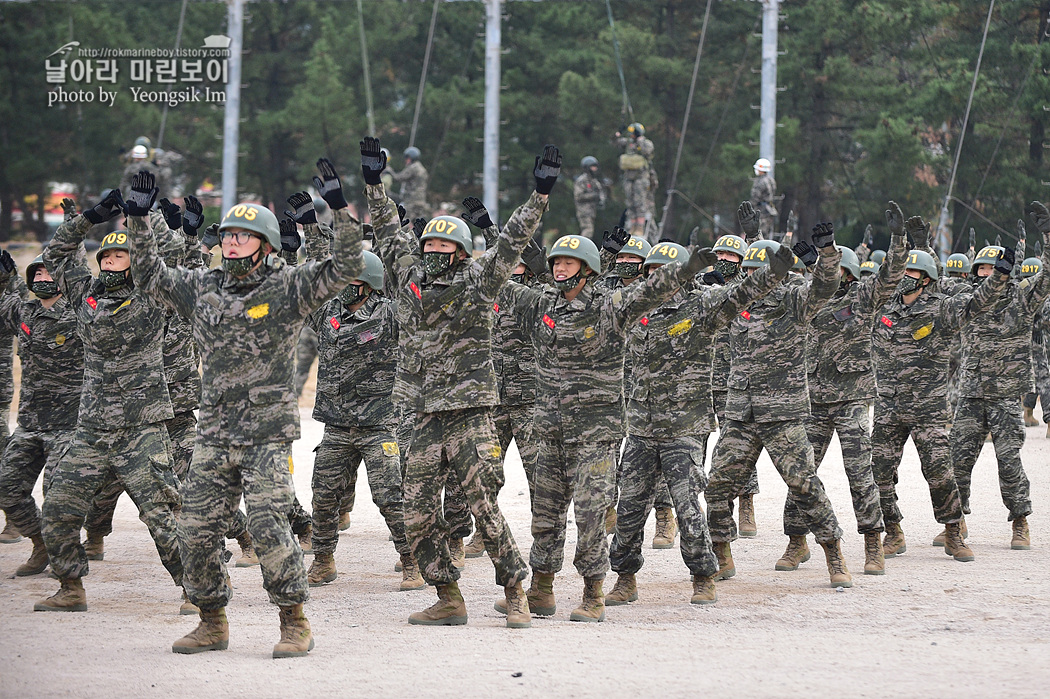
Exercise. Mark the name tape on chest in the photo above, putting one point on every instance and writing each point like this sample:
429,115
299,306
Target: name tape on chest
681,327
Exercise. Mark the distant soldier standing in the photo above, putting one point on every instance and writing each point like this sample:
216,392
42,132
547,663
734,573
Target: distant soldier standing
636,168
10,534
413,178
589,195
763,194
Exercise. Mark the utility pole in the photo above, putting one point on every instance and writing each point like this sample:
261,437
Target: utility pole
767,138
232,119
490,172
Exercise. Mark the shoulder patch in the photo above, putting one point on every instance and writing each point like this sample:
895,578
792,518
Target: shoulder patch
257,312
682,326
922,332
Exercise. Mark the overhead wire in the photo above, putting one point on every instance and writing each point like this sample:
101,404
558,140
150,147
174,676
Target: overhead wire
626,109
423,75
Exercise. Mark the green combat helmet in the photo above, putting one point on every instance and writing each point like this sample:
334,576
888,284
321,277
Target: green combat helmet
255,218
589,161
924,262
37,262
639,247
112,280
957,265
759,253
636,130
373,273
665,254
730,243
850,262
988,255
1031,267
579,248
869,267
449,228
878,256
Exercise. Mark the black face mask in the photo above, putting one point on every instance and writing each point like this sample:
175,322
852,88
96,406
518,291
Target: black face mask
114,280
437,263
627,270
45,290
727,268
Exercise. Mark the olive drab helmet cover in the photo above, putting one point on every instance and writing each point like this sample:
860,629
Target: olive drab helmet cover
255,218
449,228
577,247
759,253
665,254
957,264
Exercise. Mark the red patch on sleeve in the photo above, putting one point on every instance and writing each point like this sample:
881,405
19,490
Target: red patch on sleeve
548,322
645,321
415,290
333,322
745,315
91,302
495,307
25,329
886,321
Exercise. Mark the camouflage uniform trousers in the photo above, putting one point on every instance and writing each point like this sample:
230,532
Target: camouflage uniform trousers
218,477
464,443
636,194
850,420
27,454
335,469
681,463
751,486
5,434
975,418
1042,381
739,445
663,493
931,441
305,354
585,214
140,458
515,422
584,474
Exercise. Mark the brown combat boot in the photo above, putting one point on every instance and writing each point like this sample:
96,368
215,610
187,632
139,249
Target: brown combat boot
874,561
1029,418
69,598
411,578
592,608
893,543
840,576
188,607
954,545
449,610
666,528
610,511
518,616
306,543
322,570
748,528
724,554
212,633
10,535
476,546
95,547
625,590
939,539
458,554
796,553
37,562
1021,541
248,556
344,521
540,595
296,638
703,590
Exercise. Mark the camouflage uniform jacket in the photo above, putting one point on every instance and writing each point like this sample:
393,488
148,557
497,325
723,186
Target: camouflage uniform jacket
767,379
52,359
123,335
640,146
910,345
588,190
670,350
839,352
413,181
580,347
446,323
181,359
763,189
997,345
246,331
7,360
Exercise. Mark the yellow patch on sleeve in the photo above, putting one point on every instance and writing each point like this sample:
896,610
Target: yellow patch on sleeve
291,466
391,449
680,327
496,452
589,332
257,312
922,332
60,339
123,305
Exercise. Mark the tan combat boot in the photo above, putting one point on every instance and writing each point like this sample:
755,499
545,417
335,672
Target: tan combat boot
540,596
1021,541
796,553
625,590
10,535
610,511
188,607
666,528
344,521
893,543
94,547
212,633
874,561
306,541
248,557
296,638
449,610
703,590
726,567
592,608
1029,418
518,616
939,539
411,578
954,545
458,554
69,598
748,528
476,546
840,576
37,562
322,570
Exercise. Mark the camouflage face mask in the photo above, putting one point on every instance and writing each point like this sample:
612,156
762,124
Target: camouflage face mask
627,270
113,280
727,268
520,278
352,294
45,290
570,283
909,285
437,263
241,266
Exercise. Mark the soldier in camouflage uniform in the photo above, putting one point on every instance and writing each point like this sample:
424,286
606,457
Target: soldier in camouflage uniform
841,388
769,400
1040,332
763,193
910,345
1029,268
10,534
413,179
589,195
996,372
579,331
52,358
636,168
957,269
124,401
669,418
445,377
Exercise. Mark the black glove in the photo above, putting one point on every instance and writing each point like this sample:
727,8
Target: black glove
373,160
869,237
918,232
713,278
330,189
824,235
69,208
143,193
211,236
805,252
418,225
1041,217
193,216
172,214
783,259
290,240
1005,263
547,168
369,233
402,215
6,263
109,206
534,257
614,242
894,218
747,217
476,213
302,211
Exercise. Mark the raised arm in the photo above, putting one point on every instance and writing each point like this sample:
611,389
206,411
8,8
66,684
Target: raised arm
877,289
722,304
825,280
61,256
